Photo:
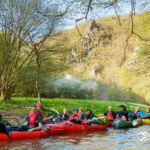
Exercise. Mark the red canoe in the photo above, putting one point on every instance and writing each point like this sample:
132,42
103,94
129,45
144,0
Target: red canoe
72,127
29,135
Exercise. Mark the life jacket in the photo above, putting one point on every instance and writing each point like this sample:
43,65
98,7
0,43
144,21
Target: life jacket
79,113
32,119
110,116
73,117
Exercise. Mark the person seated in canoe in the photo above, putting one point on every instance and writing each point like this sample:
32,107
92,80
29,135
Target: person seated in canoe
65,115
110,114
146,115
81,113
122,114
34,121
75,116
138,112
3,128
7,124
88,115
39,108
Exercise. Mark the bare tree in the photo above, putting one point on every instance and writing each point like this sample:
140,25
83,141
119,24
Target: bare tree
24,28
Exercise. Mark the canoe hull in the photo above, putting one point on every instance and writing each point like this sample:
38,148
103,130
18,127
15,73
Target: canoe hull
70,127
146,121
120,124
29,135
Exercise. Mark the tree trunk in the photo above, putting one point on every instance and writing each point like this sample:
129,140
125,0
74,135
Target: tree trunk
38,91
6,95
38,75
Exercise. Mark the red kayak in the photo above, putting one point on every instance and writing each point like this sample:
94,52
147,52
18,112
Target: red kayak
69,127
29,135
73,127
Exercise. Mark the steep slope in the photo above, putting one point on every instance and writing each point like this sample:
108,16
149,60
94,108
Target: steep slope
97,49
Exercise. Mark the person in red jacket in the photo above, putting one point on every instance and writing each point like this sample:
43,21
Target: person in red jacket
75,116
110,113
34,121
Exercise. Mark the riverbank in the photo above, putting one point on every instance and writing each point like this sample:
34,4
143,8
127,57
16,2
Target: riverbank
14,110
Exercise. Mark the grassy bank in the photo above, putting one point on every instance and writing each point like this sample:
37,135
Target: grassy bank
19,107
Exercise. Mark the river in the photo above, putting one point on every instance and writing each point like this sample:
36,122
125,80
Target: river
111,139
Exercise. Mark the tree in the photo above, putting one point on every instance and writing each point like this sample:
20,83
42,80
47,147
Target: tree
24,27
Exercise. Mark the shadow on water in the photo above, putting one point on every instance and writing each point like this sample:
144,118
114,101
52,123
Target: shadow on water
131,139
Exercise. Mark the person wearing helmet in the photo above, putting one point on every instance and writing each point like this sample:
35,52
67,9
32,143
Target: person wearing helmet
74,116
39,108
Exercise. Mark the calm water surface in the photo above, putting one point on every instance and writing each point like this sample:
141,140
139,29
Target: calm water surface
111,139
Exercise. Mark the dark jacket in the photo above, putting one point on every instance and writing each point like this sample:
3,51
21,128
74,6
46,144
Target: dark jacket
88,116
65,117
123,113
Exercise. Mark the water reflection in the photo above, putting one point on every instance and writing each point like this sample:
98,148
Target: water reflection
131,139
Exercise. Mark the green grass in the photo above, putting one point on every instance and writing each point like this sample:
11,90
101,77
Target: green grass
21,105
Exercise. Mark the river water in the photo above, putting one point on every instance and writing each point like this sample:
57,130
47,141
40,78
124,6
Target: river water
111,139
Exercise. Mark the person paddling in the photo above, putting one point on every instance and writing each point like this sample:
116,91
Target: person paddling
34,121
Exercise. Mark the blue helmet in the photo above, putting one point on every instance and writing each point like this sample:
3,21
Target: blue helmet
75,109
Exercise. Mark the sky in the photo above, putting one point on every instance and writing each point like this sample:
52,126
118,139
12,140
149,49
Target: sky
77,11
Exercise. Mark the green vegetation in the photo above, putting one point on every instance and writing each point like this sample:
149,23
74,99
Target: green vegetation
21,106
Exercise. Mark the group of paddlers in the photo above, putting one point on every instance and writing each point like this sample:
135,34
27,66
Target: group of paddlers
36,120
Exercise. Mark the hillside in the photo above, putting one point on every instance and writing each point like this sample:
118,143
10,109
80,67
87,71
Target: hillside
96,52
